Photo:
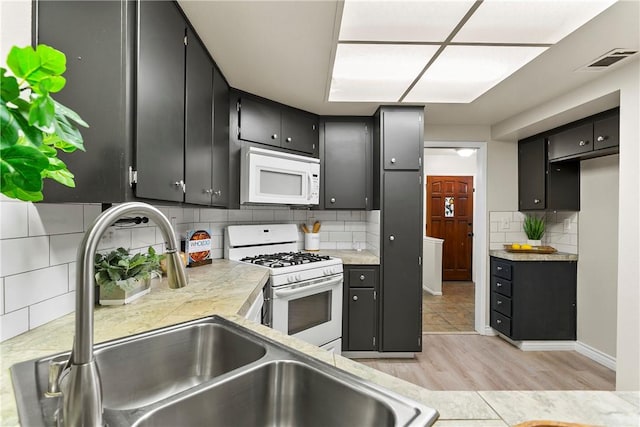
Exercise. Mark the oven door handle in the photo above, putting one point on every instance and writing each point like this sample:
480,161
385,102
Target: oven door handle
326,284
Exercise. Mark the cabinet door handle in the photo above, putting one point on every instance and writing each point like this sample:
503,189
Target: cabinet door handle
209,191
498,284
288,139
498,321
536,201
499,268
274,136
333,200
355,297
217,193
393,160
582,143
601,138
392,237
362,277
498,302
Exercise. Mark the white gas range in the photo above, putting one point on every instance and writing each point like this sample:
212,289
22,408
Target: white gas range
303,296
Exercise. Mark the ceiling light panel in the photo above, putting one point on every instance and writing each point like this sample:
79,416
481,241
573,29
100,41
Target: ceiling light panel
528,21
462,73
394,20
376,73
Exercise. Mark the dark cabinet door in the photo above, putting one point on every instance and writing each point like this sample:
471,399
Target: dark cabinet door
198,116
606,132
402,139
362,319
345,165
259,122
571,142
563,186
532,165
401,272
160,101
220,163
94,35
299,131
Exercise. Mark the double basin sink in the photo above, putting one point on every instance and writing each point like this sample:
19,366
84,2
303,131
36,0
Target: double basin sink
216,373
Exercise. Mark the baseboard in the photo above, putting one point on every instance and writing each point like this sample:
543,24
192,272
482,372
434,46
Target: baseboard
596,355
546,345
431,291
489,331
378,355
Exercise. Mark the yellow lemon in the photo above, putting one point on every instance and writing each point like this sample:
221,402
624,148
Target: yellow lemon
515,246
525,246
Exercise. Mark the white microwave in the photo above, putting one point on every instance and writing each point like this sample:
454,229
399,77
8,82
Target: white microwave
275,177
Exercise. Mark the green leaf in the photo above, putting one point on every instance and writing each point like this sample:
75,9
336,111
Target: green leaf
23,61
21,168
42,113
63,176
70,137
69,113
51,84
34,65
8,86
31,133
9,127
52,60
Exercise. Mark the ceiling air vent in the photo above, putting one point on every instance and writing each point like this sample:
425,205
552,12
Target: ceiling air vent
610,58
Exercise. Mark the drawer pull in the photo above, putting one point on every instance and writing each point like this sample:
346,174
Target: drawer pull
498,321
498,302
362,277
601,138
355,297
498,285
499,268
583,143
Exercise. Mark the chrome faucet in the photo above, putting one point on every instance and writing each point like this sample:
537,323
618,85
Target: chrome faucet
82,389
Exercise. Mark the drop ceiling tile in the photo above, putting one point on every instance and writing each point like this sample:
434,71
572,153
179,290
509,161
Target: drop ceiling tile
376,73
394,20
528,21
462,73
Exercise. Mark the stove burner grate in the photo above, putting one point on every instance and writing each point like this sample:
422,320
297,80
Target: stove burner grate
285,259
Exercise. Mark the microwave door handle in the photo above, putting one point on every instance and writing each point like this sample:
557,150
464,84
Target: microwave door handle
309,186
287,292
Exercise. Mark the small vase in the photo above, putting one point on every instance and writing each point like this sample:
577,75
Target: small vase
534,242
112,294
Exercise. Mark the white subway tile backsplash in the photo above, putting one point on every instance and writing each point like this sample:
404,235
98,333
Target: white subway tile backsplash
143,237
72,276
340,236
323,216
90,213
497,237
214,215
51,309
263,215
13,220
328,245
344,245
355,226
327,226
1,295
15,323
64,248
300,214
359,236
282,215
20,255
24,289
240,215
47,219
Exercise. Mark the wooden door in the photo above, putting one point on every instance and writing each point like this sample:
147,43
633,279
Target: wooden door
450,217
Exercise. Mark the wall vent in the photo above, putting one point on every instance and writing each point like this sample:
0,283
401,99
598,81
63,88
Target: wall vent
610,58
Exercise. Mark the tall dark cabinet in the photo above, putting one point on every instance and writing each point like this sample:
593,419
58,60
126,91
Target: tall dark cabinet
398,149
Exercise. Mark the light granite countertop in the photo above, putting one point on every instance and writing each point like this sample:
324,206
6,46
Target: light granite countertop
514,256
227,288
352,257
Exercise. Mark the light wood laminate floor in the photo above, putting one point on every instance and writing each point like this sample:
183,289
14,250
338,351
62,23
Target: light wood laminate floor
451,312
476,362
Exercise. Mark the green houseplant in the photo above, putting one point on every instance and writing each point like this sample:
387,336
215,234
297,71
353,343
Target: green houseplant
122,277
534,229
33,126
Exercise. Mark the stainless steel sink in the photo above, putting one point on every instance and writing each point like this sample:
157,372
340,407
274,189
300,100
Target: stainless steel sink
214,372
284,393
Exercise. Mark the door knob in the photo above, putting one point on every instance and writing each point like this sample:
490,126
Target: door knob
355,297
392,238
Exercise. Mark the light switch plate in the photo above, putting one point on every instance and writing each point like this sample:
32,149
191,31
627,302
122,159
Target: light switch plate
504,225
567,225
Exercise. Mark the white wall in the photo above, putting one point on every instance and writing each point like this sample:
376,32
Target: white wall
624,80
598,290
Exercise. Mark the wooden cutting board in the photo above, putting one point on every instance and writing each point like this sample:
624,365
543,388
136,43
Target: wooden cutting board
533,250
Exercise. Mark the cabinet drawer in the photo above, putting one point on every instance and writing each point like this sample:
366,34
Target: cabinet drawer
501,286
501,303
362,277
501,269
501,323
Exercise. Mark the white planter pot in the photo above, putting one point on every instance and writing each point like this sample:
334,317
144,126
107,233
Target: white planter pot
534,242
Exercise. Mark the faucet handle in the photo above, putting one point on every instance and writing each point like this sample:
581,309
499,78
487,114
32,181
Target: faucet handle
57,366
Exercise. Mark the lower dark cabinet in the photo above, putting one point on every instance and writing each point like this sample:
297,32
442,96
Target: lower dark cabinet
536,300
360,309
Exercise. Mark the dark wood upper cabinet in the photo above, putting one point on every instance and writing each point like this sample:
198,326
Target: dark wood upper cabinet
402,132
299,131
571,142
606,132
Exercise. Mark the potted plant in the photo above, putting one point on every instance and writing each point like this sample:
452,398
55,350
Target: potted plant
34,126
534,229
123,278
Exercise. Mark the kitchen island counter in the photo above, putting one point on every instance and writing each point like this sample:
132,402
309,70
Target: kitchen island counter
227,288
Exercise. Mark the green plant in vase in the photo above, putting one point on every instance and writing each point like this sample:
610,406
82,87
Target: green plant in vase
122,277
33,126
534,228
